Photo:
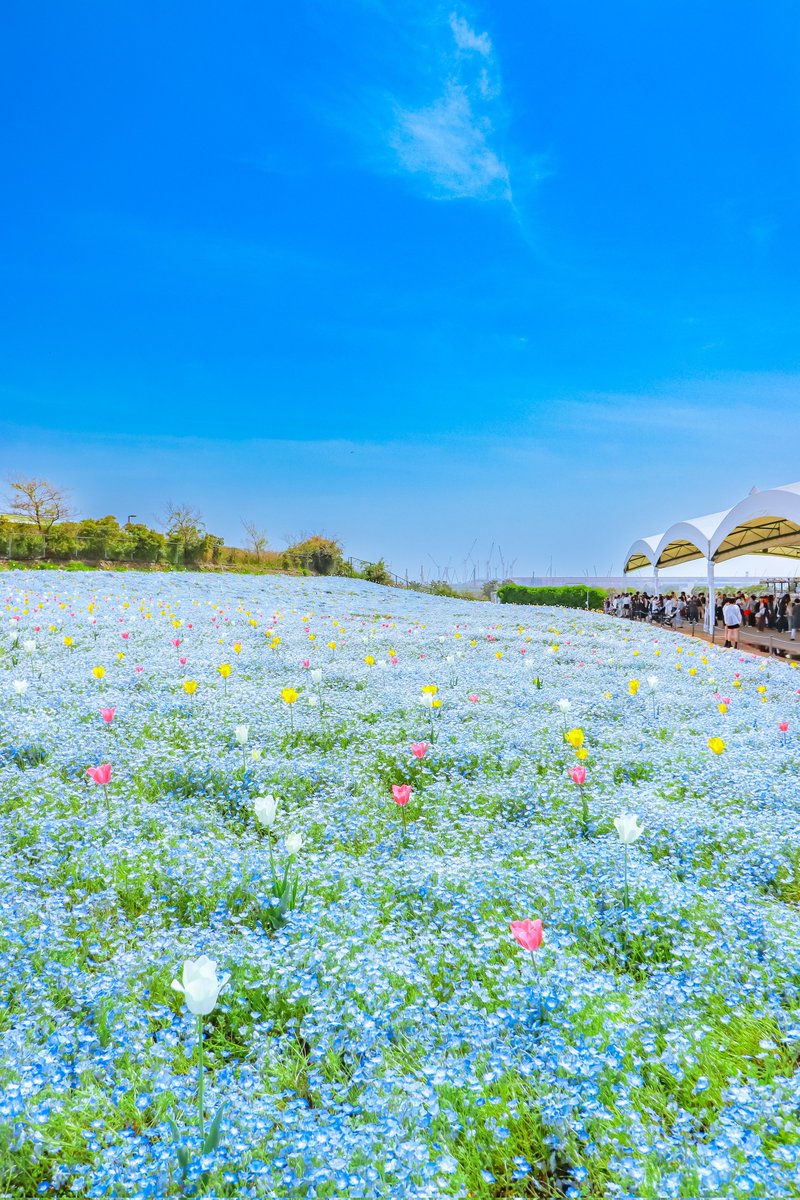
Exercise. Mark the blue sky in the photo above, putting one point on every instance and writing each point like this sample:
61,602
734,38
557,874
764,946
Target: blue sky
417,275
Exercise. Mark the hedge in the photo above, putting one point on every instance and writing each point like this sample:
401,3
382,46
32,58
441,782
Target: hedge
567,597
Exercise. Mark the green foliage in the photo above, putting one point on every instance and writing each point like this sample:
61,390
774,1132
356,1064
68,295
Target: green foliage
376,573
319,555
567,597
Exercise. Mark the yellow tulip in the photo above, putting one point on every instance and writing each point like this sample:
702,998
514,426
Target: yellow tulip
331,645
68,641
737,683
120,655
237,647
369,660
498,653
431,689
288,695
224,670
575,738
436,704
716,744
692,670
761,688
723,708
98,672
190,686
581,753
633,686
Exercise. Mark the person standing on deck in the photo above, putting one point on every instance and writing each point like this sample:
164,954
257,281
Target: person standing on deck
732,619
794,620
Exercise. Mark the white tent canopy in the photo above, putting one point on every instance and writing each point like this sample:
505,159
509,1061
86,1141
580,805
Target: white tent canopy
762,523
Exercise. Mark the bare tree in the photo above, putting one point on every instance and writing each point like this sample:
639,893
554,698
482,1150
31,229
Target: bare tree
184,522
40,501
257,539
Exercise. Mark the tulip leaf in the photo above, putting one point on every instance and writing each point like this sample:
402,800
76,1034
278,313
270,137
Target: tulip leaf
212,1137
181,1152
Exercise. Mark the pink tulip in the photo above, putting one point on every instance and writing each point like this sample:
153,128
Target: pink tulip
101,774
528,933
107,714
138,669
306,662
726,699
125,636
473,696
717,695
419,749
176,642
578,775
783,726
401,793
182,661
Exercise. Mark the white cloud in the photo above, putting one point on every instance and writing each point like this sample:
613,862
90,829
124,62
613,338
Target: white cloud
447,143
468,39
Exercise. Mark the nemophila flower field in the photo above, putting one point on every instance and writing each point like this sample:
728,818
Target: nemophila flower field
310,827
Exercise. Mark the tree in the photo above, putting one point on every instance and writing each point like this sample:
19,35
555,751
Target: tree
40,501
257,539
184,522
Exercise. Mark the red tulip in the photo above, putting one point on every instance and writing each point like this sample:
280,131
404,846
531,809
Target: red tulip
182,661
401,793
578,775
783,726
528,933
101,774
419,749
107,714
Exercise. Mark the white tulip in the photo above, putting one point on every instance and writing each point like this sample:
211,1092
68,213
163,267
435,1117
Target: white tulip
628,828
293,843
20,686
652,682
13,637
241,733
266,809
316,675
564,705
256,754
200,986
29,646
426,700
313,701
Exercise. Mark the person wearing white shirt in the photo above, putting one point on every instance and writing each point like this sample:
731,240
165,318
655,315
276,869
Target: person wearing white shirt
732,619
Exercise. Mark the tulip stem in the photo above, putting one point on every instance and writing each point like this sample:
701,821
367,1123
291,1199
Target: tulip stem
201,1119
625,860
585,805
538,987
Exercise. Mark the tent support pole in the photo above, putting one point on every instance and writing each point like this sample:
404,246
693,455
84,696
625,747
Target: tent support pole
711,607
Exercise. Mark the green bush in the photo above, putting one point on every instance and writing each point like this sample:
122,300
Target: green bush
376,573
567,597
319,555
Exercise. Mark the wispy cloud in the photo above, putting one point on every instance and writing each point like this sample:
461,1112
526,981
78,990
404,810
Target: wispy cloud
449,143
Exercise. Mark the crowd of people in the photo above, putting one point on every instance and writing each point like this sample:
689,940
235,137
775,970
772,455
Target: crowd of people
778,614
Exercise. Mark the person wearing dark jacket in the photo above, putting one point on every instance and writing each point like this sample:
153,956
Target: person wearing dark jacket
794,620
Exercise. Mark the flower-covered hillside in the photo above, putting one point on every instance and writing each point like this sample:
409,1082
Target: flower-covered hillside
275,855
